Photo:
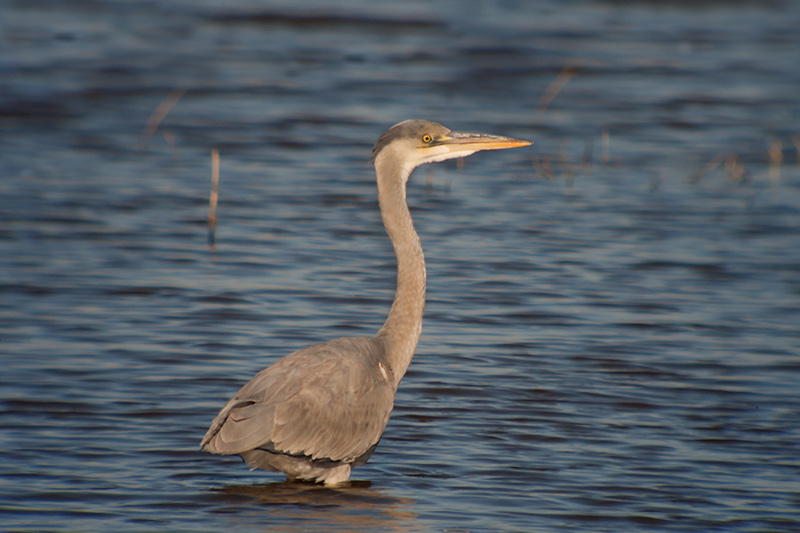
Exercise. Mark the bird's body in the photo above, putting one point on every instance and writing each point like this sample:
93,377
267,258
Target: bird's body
335,389
320,411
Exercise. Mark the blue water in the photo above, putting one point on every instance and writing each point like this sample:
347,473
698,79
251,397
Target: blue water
612,335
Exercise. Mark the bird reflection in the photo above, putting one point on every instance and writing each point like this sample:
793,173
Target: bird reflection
307,506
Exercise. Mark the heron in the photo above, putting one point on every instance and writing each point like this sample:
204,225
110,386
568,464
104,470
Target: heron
319,412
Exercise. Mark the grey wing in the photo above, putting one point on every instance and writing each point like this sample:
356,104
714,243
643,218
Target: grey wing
328,401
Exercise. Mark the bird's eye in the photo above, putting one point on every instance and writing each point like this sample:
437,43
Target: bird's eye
426,139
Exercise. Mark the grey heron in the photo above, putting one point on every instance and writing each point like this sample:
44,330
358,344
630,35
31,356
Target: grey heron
320,411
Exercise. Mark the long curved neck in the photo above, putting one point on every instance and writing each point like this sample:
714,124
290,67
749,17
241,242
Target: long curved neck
400,332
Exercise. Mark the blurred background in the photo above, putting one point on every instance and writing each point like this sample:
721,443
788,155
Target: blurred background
612,336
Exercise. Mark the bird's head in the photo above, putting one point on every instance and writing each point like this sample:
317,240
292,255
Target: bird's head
415,142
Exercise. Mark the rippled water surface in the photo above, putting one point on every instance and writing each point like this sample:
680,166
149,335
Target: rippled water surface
612,336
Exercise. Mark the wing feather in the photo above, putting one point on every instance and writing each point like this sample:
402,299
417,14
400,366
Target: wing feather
329,401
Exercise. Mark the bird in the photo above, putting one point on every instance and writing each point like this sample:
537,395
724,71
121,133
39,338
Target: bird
319,412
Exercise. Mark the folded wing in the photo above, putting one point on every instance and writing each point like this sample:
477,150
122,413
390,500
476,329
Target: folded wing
330,401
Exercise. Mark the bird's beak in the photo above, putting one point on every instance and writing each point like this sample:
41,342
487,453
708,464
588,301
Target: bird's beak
468,143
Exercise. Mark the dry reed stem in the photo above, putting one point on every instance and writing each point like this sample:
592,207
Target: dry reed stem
558,84
775,159
212,200
158,115
606,147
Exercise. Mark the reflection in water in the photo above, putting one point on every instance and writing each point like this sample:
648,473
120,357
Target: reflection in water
355,507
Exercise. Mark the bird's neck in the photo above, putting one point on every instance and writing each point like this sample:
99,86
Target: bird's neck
402,328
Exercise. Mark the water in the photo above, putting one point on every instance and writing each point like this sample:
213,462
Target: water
612,337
